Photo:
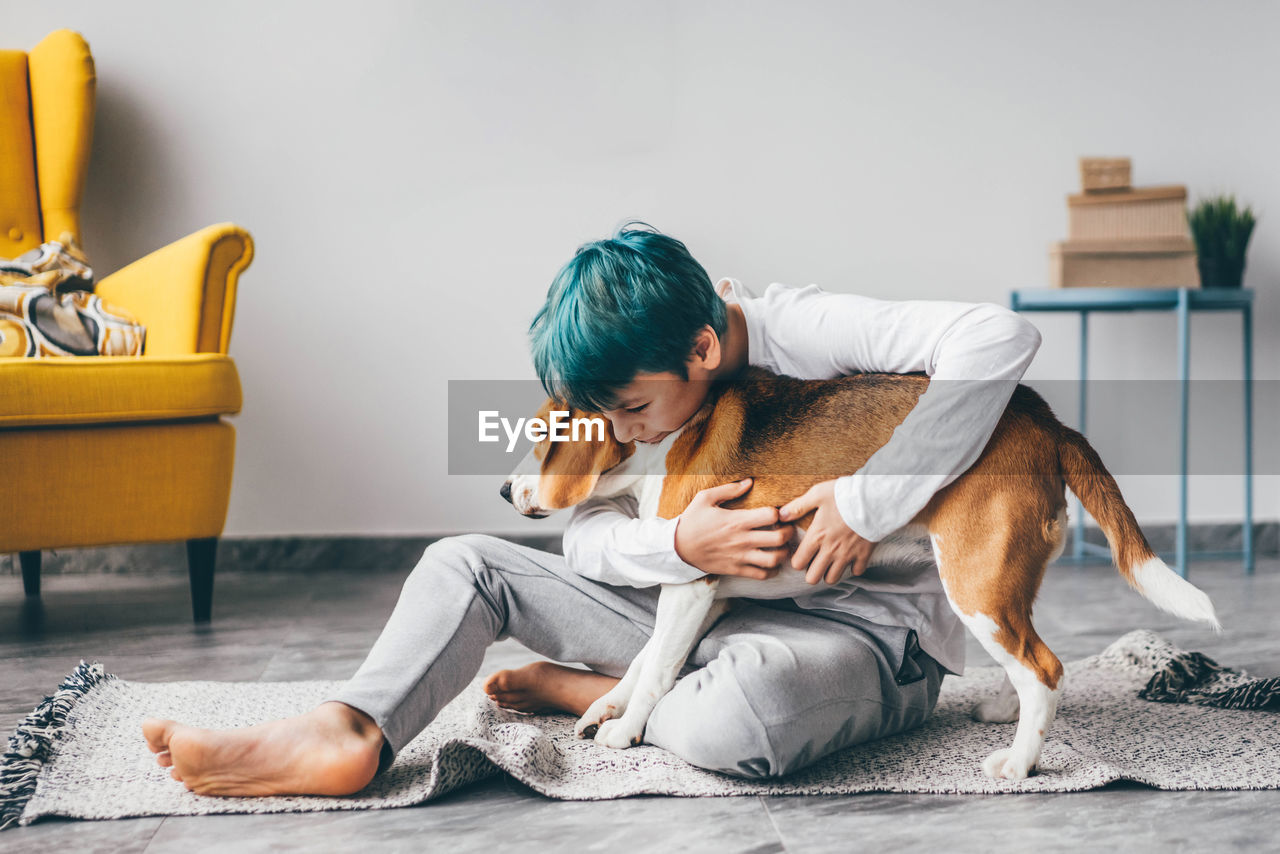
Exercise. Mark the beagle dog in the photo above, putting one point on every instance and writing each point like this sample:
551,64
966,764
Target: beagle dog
992,531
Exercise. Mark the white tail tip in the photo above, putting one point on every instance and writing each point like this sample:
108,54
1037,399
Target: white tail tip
1173,593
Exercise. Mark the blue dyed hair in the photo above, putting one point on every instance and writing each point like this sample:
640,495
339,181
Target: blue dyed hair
633,303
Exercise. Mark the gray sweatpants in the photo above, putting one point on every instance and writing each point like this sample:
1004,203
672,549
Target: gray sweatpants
771,688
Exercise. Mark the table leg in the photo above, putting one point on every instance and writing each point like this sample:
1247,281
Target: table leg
1248,440
1184,374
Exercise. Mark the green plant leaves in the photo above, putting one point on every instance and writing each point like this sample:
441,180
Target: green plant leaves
1221,231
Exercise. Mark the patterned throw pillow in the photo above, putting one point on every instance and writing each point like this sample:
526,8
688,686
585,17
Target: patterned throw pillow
48,308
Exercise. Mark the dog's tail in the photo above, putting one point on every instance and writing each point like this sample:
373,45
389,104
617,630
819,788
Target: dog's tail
1089,479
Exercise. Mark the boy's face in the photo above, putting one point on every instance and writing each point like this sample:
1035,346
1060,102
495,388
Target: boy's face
653,405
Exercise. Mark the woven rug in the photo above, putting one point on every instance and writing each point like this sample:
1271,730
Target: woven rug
1141,710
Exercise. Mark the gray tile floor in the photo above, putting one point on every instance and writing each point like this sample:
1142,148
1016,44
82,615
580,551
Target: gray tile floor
318,625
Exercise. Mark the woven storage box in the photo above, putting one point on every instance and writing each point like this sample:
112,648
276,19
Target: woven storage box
1161,262
1128,214
1104,173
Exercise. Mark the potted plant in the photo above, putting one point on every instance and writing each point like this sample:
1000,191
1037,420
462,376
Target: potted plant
1221,233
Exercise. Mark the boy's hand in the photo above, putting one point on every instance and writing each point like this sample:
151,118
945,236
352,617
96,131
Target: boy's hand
829,545
720,541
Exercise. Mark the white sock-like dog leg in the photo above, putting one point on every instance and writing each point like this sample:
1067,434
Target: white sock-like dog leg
1039,707
685,613
1036,706
614,702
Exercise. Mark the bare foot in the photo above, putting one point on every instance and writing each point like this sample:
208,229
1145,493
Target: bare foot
546,687
331,750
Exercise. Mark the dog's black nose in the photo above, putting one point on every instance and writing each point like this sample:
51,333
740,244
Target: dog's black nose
506,490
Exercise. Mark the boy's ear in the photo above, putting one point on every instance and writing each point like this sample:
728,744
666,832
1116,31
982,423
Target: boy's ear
707,351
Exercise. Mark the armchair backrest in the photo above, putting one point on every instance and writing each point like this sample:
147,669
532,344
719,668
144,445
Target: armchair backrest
46,117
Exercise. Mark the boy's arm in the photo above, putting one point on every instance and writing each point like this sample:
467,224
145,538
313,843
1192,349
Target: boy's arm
974,353
606,542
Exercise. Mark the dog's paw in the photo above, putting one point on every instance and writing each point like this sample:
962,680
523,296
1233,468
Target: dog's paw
597,713
1007,765
618,734
998,710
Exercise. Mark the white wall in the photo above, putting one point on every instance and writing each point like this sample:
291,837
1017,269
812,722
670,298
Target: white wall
415,173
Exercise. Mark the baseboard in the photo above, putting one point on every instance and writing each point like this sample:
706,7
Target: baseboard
401,553
1200,538
258,554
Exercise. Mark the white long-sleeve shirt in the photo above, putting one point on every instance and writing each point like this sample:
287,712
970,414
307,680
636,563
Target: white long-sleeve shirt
809,333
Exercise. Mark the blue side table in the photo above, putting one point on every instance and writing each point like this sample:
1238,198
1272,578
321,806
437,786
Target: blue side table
1183,301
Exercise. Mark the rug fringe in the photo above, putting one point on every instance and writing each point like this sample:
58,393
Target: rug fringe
32,742
1193,677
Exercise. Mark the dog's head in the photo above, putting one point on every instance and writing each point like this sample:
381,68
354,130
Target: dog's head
563,470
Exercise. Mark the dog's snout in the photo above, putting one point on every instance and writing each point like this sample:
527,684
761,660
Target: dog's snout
505,492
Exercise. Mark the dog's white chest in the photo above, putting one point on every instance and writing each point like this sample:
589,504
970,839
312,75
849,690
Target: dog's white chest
642,475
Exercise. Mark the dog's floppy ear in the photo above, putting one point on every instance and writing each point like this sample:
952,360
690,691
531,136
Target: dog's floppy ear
571,469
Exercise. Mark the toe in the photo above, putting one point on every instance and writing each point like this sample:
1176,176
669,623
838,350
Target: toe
157,733
497,682
514,702
163,759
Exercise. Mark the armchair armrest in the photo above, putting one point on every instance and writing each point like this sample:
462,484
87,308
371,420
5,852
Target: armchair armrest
184,293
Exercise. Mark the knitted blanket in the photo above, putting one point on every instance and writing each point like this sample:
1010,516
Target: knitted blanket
48,308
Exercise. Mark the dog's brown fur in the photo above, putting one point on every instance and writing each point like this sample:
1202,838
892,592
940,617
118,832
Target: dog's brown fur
995,527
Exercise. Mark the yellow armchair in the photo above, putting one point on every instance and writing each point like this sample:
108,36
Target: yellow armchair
103,450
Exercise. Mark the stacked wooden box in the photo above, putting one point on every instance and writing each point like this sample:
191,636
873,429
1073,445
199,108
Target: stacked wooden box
1124,237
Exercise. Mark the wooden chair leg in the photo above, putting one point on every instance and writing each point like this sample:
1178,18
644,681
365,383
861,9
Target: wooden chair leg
201,555
30,572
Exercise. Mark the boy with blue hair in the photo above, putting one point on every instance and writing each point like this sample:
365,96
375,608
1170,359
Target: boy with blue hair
773,686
